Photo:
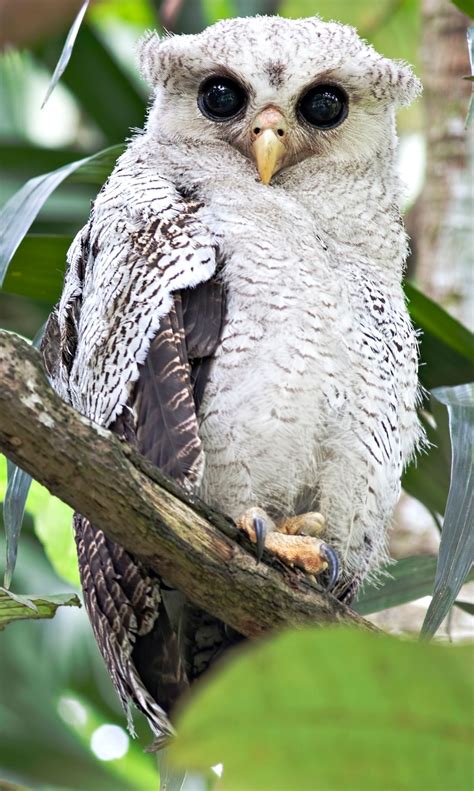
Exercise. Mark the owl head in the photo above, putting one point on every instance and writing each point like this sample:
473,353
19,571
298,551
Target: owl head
277,90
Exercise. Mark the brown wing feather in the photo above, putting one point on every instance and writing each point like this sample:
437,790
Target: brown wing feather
152,649
169,389
122,601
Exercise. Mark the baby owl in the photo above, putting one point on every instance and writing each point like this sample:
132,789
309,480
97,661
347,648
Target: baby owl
234,310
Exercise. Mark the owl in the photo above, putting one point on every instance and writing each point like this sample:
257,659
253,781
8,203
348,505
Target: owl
234,310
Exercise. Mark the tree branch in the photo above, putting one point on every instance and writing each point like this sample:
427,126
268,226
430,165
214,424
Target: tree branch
196,550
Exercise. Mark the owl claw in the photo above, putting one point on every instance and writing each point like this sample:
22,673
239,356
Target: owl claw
289,545
333,565
260,528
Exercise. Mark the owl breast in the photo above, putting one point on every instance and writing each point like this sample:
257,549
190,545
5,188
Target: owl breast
279,384
310,402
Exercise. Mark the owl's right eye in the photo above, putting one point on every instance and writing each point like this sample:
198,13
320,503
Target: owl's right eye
221,98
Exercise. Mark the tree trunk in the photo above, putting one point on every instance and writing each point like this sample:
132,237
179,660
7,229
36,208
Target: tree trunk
443,234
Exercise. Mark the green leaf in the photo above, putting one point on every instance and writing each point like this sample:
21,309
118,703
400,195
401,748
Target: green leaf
466,6
104,90
456,551
53,527
52,523
25,159
67,51
427,477
21,210
410,579
334,709
446,358
37,268
446,346
19,608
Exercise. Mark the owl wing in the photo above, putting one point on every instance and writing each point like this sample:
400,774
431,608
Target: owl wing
129,345
161,416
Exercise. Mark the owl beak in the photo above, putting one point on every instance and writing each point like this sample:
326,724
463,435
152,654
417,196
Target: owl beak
268,147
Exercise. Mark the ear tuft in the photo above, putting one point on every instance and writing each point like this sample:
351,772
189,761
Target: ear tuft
147,55
409,86
402,85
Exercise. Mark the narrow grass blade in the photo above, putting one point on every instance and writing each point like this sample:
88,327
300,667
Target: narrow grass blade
18,486
67,51
456,552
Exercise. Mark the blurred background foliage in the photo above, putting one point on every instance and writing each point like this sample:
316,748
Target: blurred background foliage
60,723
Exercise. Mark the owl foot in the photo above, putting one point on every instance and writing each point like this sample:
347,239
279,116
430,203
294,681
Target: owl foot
309,524
293,541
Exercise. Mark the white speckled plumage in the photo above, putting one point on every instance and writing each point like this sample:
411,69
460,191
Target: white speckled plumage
311,397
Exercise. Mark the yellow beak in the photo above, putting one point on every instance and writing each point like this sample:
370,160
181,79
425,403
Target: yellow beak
268,152
269,132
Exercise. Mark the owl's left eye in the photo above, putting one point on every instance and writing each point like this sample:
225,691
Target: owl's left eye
324,106
221,98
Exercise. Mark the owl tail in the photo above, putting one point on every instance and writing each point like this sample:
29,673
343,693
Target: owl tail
124,606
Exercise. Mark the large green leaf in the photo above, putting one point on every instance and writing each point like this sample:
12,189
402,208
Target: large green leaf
446,346
19,608
410,579
25,159
18,214
446,358
37,268
334,709
456,552
104,90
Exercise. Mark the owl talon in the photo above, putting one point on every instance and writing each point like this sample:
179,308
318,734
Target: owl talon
333,565
260,528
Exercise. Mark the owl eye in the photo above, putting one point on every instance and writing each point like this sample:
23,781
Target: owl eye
221,98
324,106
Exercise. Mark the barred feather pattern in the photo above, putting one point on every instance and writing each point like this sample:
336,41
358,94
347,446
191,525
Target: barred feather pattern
122,601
